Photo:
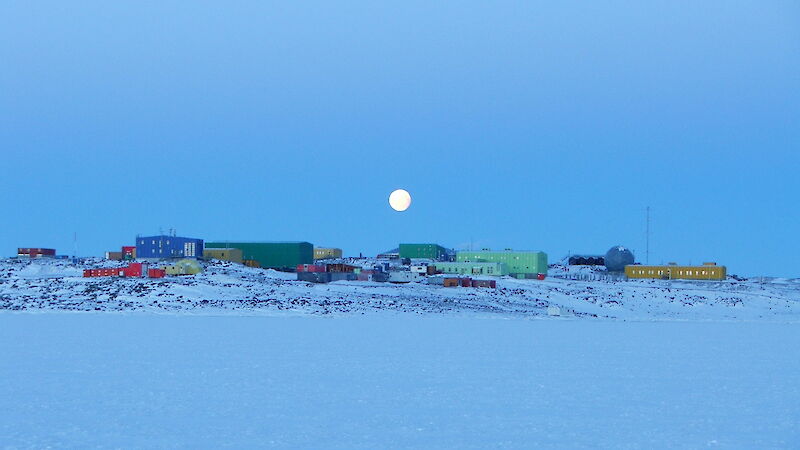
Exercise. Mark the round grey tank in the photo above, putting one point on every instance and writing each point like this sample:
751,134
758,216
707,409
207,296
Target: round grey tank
617,258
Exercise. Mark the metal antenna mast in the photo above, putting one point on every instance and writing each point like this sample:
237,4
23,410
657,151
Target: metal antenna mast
647,238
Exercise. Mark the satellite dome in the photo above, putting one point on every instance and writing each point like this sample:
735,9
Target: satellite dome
617,258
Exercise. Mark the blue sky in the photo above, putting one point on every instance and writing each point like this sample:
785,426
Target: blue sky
529,125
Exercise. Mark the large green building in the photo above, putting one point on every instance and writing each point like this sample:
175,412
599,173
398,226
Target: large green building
519,264
428,251
272,255
473,268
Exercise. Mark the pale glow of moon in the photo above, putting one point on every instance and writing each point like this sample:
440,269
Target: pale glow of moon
400,200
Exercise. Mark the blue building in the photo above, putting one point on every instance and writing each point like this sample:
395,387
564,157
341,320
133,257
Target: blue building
168,247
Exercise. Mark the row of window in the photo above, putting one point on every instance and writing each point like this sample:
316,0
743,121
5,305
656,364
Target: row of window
153,242
679,272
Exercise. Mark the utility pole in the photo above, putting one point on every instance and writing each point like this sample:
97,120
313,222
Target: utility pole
647,238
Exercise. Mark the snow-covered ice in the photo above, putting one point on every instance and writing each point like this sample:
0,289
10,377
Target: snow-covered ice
245,358
394,380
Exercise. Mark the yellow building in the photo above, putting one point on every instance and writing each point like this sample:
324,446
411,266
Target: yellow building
223,254
708,271
327,253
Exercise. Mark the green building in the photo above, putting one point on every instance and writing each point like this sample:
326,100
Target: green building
428,251
518,264
272,255
473,268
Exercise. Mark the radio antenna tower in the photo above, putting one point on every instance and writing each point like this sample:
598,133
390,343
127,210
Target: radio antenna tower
647,237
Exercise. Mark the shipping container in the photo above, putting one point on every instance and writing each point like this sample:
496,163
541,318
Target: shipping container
311,268
342,276
36,252
492,284
450,282
466,282
339,268
156,273
272,255
436,281
87,273
314,277
135,270
251,263
586,260
114,256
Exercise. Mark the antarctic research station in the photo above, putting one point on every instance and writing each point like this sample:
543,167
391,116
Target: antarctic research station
168,255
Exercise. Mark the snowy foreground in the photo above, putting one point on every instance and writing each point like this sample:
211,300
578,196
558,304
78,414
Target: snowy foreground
242,358
226,288
140,380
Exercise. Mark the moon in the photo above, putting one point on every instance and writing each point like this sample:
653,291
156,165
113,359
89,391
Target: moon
400,200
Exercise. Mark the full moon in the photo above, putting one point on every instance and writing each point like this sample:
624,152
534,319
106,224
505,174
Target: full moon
400,200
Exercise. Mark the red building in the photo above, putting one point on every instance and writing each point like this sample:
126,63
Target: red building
36,252
134,270
129,252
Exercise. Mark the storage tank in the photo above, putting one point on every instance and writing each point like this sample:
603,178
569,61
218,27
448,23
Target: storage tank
617,258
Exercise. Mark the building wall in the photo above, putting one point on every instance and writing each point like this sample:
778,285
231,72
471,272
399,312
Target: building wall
36,252
673,272
272,255
428,251
327,253
168,247
473,268
517,263
129,252
224,254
